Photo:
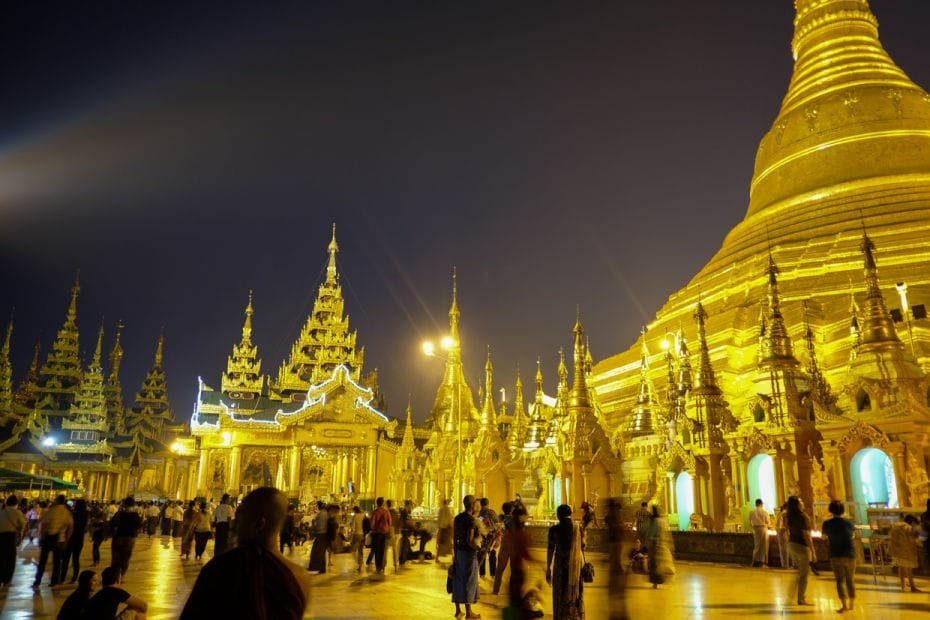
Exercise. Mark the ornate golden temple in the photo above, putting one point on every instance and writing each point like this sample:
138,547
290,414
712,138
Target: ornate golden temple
794,362
809,322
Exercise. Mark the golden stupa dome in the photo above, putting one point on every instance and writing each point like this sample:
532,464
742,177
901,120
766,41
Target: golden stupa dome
851,115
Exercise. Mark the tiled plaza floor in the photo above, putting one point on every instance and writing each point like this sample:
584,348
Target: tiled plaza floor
160,577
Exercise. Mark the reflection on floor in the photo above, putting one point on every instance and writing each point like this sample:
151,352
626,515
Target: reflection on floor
158,575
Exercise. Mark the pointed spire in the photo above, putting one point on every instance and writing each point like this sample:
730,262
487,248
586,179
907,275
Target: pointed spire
332,248
705,376
518,425
774,341
71,318
159,349
877,326
579,395
855,329
562,372
98,350
646,391
685,379
454,313
407,443
247,325
116,356
488,415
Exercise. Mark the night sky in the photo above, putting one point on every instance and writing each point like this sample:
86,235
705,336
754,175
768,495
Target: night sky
557,154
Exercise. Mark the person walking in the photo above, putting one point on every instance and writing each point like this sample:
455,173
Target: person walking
839,533
202,531
380,530
503,553
759,520
12,526
56,530
659,545
519,556
318,550
178,517
566,545
800,544
358,535
286,536
396,526
125,526
617,576
491,539
165,512
466,539
905,549
188,522
98,530
151,518
222,518
75,542
444,531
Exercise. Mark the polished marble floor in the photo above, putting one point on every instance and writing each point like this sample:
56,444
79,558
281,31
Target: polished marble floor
159,576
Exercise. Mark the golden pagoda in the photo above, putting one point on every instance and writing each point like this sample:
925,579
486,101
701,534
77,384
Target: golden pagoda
841,185
316,431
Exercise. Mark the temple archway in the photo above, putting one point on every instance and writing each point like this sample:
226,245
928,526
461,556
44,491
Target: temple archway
684,499
873,481
761,477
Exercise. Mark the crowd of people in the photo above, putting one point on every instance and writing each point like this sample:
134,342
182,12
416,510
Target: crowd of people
482,543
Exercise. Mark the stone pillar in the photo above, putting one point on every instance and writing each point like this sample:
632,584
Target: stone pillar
780,490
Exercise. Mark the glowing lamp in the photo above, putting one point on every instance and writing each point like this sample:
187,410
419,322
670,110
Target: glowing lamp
48,442
665,344
177,447
447,343
429,349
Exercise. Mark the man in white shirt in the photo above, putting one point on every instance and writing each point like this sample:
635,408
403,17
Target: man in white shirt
759,520
222,517
177,518
12,526
151,518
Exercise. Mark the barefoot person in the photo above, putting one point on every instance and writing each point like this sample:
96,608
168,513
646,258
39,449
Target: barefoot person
467,542
253,580
839,532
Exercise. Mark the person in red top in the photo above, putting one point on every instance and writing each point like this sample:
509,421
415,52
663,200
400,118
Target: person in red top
380,529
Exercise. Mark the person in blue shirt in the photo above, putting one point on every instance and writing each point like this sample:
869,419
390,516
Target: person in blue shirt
839,532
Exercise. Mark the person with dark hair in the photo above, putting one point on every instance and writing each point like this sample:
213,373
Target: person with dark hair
380,530
905,549
98,531
75,542
333,538
222,518
104,605
491,539
566,544
188,524
800,544
839,532
759,520
318,550
519,555
466,539
286,536
201,531
56,530
643,516
503,553
125,526
253,580
12,526
73,607
358,535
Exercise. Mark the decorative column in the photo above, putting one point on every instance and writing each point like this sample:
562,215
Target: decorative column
233,476
202,471
293,478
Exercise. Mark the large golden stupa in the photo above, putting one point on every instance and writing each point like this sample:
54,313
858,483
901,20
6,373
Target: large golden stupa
839,213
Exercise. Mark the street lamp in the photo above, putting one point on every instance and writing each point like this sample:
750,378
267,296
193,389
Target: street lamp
449,344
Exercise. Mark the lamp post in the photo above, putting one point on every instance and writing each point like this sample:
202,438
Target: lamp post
429,349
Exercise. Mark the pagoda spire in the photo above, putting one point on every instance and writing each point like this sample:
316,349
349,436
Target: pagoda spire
71,317
539,382
562,387
61,374
579,393
877,325
6,374
643,416
152,409
89,410
114,389
518,425
454,316
855,329
685,378
333,247
705,376
98,351
407,443
243,378
820,388
775,343
488,415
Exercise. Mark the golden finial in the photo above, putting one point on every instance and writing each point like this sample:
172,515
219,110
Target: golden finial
247,324
99,349
159,348
332,248
75,290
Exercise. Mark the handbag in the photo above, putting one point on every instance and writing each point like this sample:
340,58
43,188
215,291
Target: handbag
587,572
368,540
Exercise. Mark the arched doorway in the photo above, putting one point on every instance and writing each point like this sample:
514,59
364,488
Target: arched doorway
684,498
761,478
873,481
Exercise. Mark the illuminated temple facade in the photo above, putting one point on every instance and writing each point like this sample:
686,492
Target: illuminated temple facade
316,430
795,361
68,421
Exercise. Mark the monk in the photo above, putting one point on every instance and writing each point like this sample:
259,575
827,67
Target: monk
253,580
